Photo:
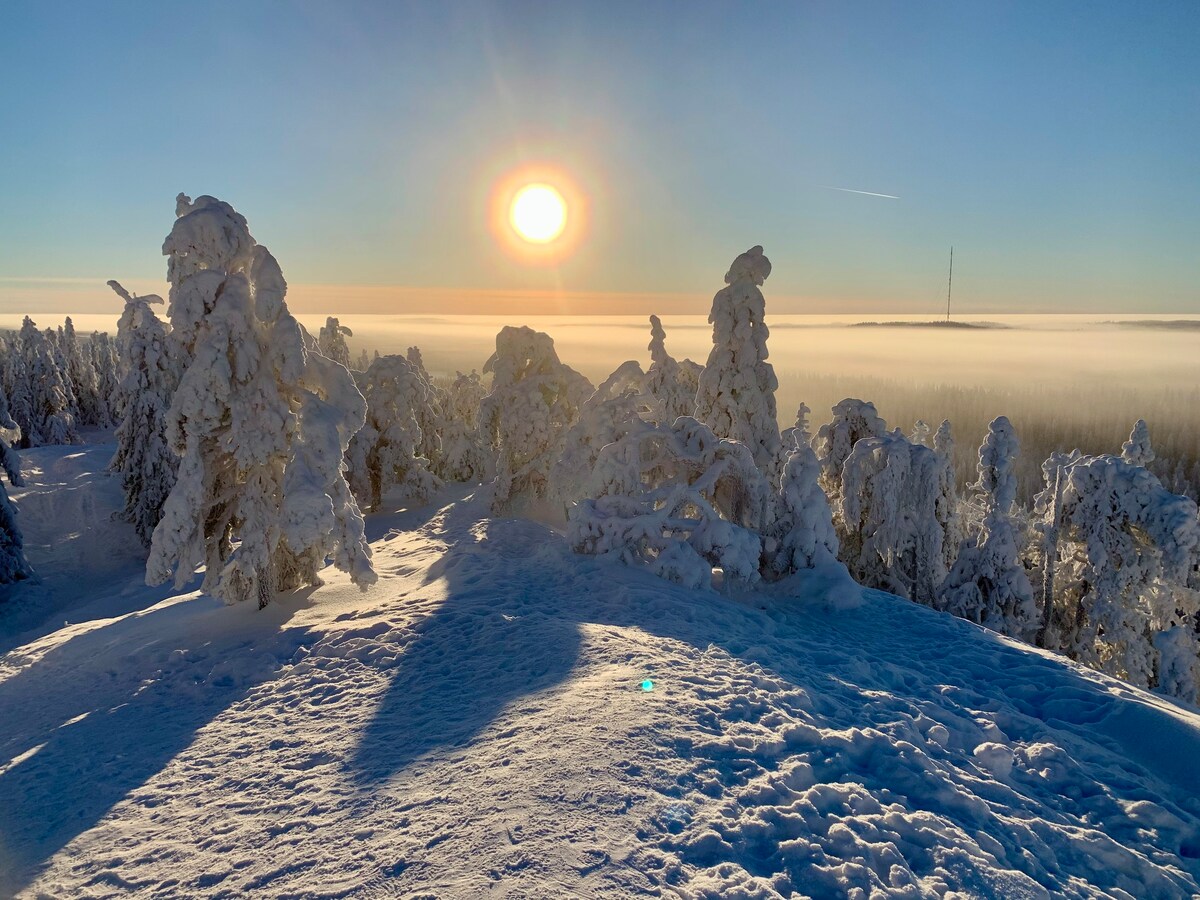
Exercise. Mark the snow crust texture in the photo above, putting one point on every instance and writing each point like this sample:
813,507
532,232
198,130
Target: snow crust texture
476,727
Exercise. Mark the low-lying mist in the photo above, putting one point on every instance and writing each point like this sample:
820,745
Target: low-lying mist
1065,381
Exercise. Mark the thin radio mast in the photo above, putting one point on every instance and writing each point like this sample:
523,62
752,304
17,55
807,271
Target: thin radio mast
950,284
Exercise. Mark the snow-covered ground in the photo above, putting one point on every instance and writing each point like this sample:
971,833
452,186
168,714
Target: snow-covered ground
475,726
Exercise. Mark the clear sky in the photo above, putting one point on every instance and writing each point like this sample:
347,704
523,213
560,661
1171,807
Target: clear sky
1055,145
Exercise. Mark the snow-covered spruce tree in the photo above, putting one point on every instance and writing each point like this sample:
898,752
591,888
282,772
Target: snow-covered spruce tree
261,425
106,362
798,433
1137,449
949,507
920,433
13,565
736,394
534,400
463,455
83,379
51,420
852,421
890,526
56,341
803,529
332,341
363,362
429,414
386,452
672,383
988,583
20,391
678,500
1125,551
613,411
143,458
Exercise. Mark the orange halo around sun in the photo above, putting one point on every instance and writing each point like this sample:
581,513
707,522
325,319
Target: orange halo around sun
538,214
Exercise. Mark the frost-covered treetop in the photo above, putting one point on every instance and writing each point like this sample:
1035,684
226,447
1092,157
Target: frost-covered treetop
1137,449
752,265
997,474
658,341
736,393
208,234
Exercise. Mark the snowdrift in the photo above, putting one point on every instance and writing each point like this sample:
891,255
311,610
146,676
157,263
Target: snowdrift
476,725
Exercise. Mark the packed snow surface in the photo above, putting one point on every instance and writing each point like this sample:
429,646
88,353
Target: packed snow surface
476,726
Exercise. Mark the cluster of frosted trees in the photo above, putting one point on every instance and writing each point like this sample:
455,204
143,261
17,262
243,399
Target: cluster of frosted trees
248,447
56,383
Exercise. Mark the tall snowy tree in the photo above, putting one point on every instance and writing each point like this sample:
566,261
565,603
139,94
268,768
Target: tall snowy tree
464,457
108,367
1137,449
144,460
386,452
804,522
797,433
534,400
672,383
84,380
261,425
852,421
1124,549
13,565
890,523
736,394
988,583
51,419
332,341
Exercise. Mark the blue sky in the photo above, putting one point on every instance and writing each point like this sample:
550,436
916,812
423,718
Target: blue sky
1054,144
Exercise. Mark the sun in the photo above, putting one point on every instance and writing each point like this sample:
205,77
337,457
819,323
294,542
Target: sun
538,213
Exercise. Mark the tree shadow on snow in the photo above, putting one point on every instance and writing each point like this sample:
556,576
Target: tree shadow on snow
492,642
509,629
97,717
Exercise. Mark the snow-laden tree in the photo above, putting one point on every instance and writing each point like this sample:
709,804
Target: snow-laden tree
429,414
672,383
852,421
56,341
261,424
678,500
947,499
797,433
988,583
107,364
464,458
920,433
331,340
51,419
890,523
363,362
1137,449
736,394
804,532
386,452
534,400
84,380
143,458
1125,549
13,565
613,410
20,390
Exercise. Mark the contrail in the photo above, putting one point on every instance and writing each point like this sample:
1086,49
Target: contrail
868,193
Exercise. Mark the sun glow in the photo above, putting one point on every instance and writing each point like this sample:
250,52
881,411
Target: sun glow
538,214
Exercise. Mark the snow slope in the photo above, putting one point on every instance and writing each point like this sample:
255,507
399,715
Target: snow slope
475,726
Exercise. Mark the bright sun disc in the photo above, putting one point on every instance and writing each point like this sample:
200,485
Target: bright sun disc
538,213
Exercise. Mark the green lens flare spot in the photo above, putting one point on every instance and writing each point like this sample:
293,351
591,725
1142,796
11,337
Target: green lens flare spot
647,685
